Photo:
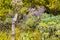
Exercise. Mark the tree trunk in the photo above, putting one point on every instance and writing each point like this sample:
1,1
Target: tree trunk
13,26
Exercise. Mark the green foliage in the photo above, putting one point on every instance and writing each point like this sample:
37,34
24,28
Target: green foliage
53,6
24,9
4,8
47,27
31,21
31,36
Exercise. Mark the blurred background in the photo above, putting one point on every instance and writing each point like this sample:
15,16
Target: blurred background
36,20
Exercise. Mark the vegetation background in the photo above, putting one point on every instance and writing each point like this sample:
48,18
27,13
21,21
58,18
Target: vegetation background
37,19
